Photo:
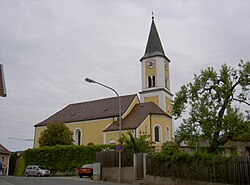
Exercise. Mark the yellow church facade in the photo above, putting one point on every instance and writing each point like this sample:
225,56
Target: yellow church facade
96,122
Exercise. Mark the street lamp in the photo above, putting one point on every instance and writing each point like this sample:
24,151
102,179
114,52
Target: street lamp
119,112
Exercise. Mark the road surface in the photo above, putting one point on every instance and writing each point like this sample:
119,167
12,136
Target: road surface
12,180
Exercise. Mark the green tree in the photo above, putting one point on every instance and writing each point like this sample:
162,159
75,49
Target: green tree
56,134
211,101
142,144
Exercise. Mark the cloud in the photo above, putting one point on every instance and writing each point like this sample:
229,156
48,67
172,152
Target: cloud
48,47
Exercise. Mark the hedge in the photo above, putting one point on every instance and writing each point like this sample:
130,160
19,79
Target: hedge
60,158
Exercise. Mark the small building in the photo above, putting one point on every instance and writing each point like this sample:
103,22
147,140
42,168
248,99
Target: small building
5,159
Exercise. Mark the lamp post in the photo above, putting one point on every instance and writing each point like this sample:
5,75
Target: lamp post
119,112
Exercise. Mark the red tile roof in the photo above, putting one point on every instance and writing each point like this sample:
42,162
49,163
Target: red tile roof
4,150
137,116
97,109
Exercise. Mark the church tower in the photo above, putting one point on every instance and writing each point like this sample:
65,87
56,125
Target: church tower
155,73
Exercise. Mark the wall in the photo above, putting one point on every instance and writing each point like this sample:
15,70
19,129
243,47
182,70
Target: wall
156,180
154,99
38,131
91,131
112,174
168,104
163,122
5,162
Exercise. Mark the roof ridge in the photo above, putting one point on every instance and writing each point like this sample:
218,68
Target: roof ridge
101,99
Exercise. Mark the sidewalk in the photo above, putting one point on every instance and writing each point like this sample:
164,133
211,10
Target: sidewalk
85,179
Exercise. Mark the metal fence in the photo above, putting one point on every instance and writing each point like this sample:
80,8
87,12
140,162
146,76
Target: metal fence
232,171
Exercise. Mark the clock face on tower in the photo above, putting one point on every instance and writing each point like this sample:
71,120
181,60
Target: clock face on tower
150,64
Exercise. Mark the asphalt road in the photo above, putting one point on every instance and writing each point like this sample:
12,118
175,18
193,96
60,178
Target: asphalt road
11,180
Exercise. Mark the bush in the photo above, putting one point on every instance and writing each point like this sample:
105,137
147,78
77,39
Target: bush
60,158
172,155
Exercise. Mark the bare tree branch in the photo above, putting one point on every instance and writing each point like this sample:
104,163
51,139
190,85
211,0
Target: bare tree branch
241,101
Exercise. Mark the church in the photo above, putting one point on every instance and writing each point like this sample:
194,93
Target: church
96,122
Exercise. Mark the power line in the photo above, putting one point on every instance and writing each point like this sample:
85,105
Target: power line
22,139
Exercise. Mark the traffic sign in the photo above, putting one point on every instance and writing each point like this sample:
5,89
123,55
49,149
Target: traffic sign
119,148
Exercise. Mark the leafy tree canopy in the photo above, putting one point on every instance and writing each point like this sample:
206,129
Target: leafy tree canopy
56,134
210,100
142,144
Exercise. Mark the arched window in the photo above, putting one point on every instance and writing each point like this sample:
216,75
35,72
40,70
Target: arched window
78,136
112,141
151,81
157,133
168,134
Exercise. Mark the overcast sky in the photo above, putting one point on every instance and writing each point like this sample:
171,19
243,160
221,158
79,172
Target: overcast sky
48,47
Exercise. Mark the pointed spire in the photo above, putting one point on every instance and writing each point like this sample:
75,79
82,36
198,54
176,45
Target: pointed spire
154,46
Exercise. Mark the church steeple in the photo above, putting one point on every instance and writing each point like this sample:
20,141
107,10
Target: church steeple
156,73
154,46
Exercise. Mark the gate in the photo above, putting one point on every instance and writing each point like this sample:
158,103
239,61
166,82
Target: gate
140,161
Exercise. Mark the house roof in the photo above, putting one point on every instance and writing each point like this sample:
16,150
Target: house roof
138,114
154,46
2,82
96,109
4,150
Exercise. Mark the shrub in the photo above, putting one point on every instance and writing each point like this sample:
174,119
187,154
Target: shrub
60,158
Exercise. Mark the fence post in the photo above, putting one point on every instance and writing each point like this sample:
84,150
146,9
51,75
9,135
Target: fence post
135,165
144,165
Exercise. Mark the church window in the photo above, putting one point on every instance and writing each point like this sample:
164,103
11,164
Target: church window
153,78
157,133
112,141
167,134
78,136
151,81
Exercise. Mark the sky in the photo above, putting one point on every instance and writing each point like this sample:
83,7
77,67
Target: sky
48,48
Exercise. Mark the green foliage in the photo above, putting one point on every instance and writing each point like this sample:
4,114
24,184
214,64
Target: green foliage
171,153
213,116
21,166
61,158
12,163
208,158
56,134
142,144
